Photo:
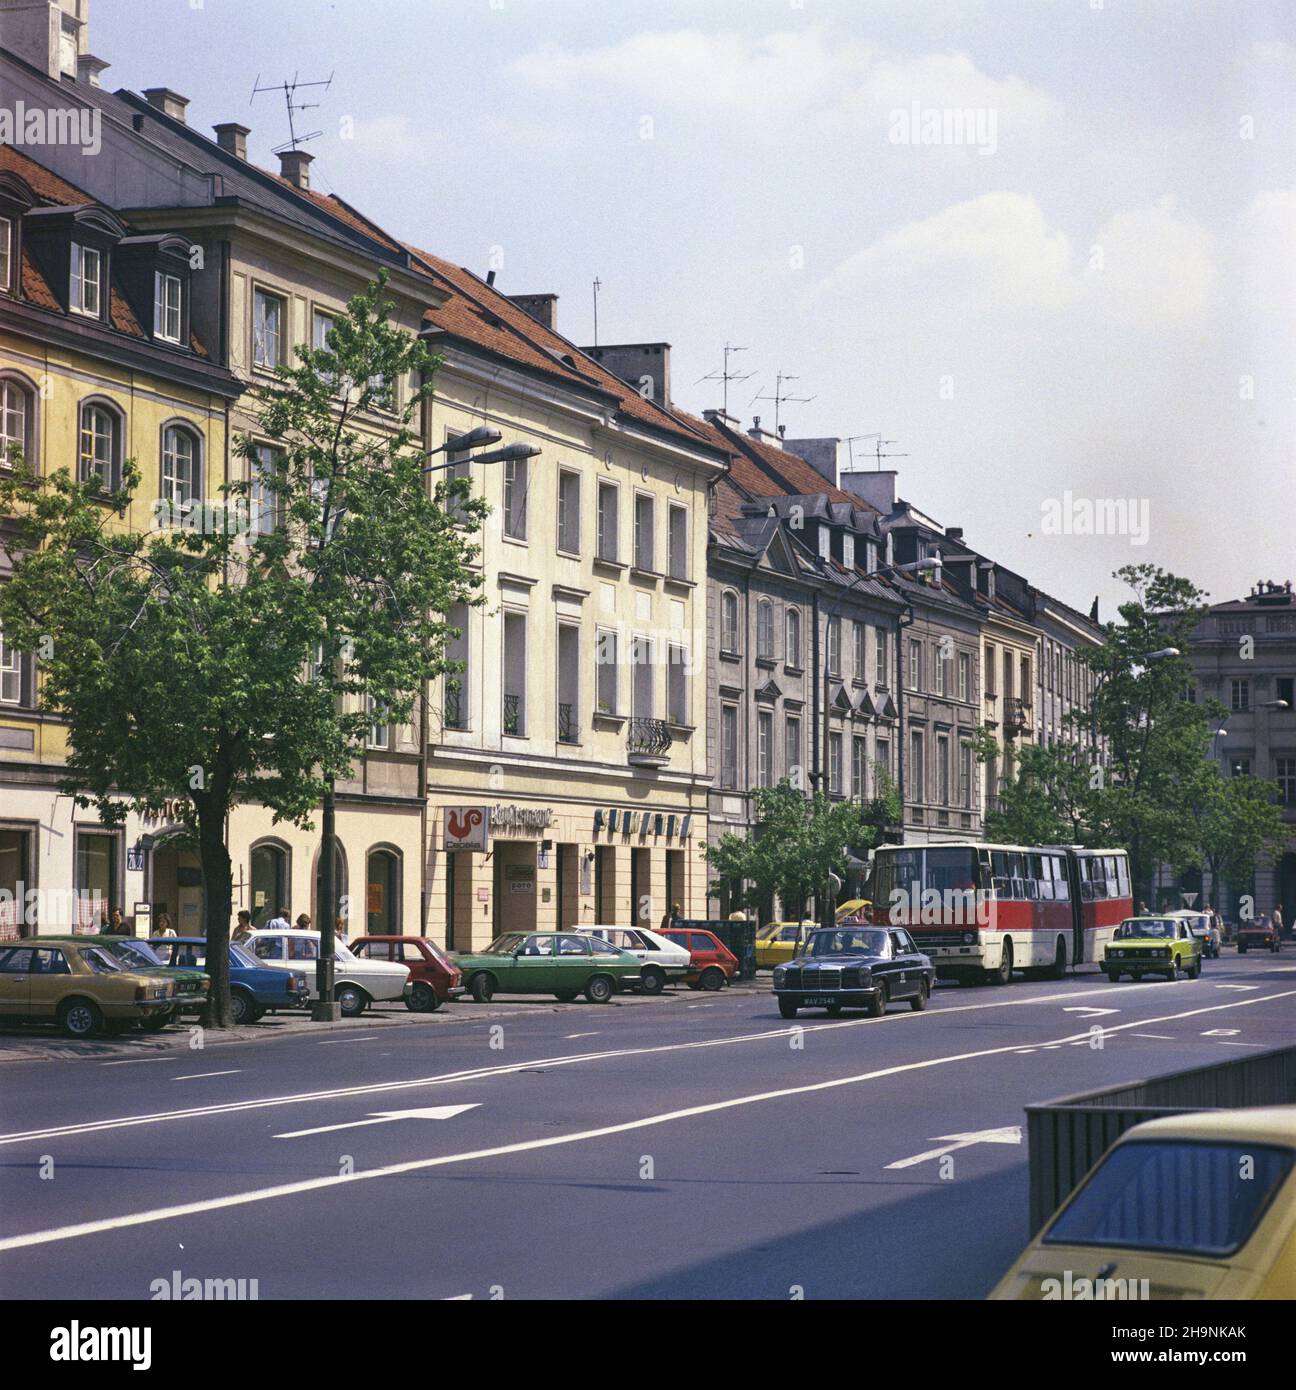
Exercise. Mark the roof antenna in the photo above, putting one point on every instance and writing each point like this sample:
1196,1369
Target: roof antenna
289,90
598,285
779,398
878,454
726,375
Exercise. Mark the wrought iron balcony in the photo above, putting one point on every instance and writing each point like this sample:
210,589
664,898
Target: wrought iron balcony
1017,716
567,724
454,711
648,742
512,714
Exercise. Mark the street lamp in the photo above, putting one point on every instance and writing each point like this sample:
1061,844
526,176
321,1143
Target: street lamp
474,439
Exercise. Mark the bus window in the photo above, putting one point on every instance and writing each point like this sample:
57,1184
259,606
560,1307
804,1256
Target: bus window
950,870
1042,864
1122,875
1061,888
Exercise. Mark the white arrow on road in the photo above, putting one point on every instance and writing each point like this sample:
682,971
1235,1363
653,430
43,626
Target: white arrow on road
382,1117
1088,1010
1009,1134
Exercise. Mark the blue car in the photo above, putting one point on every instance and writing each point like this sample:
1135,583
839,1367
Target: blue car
255,989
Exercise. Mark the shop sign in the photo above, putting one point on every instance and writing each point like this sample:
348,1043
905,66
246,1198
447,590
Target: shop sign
522,818
467,828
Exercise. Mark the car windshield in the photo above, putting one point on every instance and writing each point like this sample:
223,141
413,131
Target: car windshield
1178,1195
869,941
1159,930
134,952
504,945
100,961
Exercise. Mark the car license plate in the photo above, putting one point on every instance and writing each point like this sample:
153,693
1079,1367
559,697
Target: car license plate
821,999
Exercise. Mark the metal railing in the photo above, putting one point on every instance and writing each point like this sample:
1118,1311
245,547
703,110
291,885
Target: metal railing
454,712
649,737
512,714
566,724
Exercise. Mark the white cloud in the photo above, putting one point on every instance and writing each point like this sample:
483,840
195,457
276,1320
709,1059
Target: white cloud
391,140
1157,267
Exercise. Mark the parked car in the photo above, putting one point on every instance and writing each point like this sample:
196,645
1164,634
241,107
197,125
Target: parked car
356,983
1204,927
660,959
854,967
713,963
1258,934
80,985
1236,1238
191,985
563,964
255,989
778,942
434,977
1152,946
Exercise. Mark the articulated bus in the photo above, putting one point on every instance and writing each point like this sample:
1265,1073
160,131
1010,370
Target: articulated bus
982,911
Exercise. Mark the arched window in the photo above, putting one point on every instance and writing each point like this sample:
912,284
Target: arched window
765,629
17,419
101,441
382,893
729,621
270,881
181,461
793,657
339,887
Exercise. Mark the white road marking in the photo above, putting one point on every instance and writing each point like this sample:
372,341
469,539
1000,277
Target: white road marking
334,1042
1088,1011
570,1059
1221,1032
1222,1043
382,1117
293,1189
570,1036
1237,986
1160,1037
198,1075
1007,1134
135,1061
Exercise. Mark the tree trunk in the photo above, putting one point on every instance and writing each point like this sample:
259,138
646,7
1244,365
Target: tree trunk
325,1009
218,885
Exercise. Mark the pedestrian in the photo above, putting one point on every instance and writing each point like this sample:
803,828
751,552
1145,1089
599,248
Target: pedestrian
672,917
164,928
1278,920
303,921
1144,911
244,923
280,921
117,924
340,929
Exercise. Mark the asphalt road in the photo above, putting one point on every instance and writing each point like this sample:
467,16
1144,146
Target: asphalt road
695,1148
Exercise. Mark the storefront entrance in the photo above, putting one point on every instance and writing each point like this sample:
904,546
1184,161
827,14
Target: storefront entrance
513,895
178,884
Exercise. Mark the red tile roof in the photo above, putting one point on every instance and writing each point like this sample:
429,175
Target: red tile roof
45,184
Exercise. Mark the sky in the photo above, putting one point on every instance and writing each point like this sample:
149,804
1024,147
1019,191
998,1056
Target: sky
1073,309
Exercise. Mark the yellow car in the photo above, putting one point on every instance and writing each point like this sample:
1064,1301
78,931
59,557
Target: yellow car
853,908
1153,946
776,942
79,985
1190,1206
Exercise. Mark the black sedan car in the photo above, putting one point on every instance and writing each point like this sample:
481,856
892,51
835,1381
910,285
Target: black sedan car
854,968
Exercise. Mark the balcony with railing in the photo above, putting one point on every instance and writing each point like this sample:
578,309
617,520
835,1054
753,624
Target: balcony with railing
1017,716
454,715
567,731
648,742
513,715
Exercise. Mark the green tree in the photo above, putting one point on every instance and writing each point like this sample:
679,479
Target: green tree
1236,822
799,842
231,661
1050,798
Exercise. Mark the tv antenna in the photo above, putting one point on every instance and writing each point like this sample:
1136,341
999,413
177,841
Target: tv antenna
726,375
878,455
779,398
290,90
598,285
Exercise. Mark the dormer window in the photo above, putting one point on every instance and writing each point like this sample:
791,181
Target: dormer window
167,318
825,543
848,550
86,281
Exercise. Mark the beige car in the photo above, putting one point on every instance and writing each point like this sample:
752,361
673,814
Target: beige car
80,986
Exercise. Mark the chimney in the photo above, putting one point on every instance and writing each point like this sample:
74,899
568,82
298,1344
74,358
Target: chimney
48,34
542,307
874,486
820,454
645,366
232,138
88,69
720,417
168,102
763,436
954,533
294,166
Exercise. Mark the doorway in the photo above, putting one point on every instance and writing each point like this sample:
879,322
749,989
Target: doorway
513,897
178,885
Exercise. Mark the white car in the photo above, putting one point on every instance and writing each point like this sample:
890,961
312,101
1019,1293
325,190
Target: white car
357,983
662,959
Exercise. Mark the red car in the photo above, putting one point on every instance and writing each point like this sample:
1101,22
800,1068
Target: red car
433,978
1260,934
714,964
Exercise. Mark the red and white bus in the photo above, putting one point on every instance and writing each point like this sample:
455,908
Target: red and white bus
982,911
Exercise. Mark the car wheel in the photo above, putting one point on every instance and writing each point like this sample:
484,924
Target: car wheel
919,1002
1241,949
652,981
1194,970
787,1008
353,999
242,1009
423,999
1113,976
483,988
600,989
565,996
877,1004
80,1018
712,978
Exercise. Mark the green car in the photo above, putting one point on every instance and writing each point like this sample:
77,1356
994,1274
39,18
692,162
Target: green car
548,962
1153,946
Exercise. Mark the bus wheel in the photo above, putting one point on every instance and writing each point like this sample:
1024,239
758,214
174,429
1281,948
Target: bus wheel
1004,972
1058,970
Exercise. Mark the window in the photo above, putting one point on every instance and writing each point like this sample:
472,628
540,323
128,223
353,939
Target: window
101,446
1239,767
677,710
825,543
859,762
456,688
382,905
1285,690
606,659
835,764
882,755
166,307
16,414
11,673
939,661
765,630
792,627
917,767
569,518
515,670
678,542
881,656
964,676
6,255
608,522
1026,681
990,690
645,546
643,693
379,728
516,478
792,748
848,550
915,664
1007,674
97,883
321,327
965,775
568,683
87,269
1285,770
729,621
267,329
834,644
765,748
267,500
728,746
942,770
1239,695
859,642
179,465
